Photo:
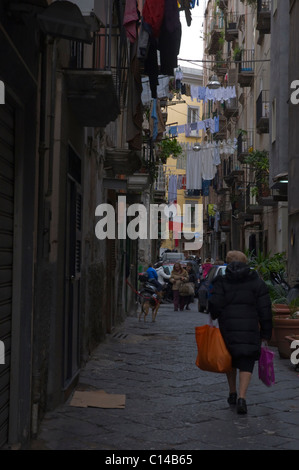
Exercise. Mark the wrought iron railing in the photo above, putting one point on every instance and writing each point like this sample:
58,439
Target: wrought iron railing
110,50
246,61
232,21
245,143
263,105
217,22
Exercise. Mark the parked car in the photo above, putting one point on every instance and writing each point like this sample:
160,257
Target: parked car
205,284
172,257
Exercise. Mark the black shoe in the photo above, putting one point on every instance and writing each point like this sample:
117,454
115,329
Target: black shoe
187,308
241,407
232,399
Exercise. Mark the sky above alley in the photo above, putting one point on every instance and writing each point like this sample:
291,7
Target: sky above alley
191,42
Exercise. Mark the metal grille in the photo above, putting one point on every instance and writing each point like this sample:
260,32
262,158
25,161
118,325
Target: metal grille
7,141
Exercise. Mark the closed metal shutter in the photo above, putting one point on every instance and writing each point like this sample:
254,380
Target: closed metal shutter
7,143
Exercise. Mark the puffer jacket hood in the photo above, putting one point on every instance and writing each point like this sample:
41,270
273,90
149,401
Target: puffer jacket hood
237,271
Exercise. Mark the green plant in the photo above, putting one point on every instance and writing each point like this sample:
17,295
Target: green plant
277,293
168,147
241,132
221,40
237,53
267,265
294,307
259,162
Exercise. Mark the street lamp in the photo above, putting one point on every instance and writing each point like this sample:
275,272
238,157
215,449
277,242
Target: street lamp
213,83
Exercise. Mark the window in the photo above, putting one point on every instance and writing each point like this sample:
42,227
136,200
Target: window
193,117
193,114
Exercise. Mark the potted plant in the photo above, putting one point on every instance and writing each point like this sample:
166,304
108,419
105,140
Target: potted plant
258,160
237,54
286,326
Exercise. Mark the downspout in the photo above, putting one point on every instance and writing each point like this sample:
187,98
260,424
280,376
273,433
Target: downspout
36,385
52,116
43,215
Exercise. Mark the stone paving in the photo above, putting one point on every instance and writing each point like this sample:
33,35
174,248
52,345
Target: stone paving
171,405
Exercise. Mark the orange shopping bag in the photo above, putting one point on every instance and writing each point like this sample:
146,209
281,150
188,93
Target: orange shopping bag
212,353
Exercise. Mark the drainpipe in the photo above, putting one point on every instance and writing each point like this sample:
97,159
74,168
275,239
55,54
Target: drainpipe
43,222
52,116
36,385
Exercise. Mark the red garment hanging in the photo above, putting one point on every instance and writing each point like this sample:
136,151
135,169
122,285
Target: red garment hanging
153,13
130,20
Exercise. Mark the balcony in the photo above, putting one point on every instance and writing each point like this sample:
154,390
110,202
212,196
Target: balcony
225,221
96,94
244,145
264,16
216,30
231,108
92,96
138,182
246,68
222,128
232,171
262,112
231,27
255,209
120,161
220,66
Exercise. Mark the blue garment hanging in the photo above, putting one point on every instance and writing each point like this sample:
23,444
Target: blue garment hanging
155,119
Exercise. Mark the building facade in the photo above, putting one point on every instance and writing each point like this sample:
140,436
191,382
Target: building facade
71,143
240,51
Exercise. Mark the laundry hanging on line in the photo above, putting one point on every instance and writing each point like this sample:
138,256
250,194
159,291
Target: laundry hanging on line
212,124
206,94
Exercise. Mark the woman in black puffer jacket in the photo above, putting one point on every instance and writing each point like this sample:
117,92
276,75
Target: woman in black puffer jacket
241,302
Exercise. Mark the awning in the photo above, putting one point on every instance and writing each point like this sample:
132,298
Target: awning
64,19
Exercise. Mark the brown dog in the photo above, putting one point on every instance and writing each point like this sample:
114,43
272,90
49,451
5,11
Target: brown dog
150,302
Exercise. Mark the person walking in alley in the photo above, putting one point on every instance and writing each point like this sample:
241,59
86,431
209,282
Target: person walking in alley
240,301
178,275
206,267
193,280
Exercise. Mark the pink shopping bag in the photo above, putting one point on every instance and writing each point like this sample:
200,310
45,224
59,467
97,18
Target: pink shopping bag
266,367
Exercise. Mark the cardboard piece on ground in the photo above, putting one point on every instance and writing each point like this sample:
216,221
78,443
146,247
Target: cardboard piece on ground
97,399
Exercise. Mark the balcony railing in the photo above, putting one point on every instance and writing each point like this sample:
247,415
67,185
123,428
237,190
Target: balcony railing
264,16
215,29
222,133
97,78
263,112
220,66
231,108
231,27
110,54
245,145
246,67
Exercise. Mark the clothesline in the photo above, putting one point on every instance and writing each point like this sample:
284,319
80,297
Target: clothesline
206,94
211,123
201,167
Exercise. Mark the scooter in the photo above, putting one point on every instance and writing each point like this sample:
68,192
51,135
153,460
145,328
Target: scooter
149,290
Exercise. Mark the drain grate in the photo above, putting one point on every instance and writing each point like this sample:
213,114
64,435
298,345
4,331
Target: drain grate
119,335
